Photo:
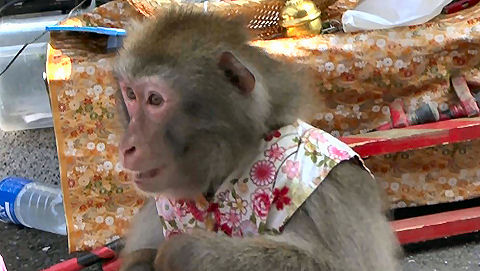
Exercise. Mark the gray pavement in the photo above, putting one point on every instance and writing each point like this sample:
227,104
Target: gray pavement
32,154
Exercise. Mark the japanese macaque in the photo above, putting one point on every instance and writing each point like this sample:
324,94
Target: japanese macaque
198,100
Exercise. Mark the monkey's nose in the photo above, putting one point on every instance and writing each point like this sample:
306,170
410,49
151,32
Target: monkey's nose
129,151
131,157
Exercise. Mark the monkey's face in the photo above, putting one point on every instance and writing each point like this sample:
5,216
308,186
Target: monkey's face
195,101
189,127
149,102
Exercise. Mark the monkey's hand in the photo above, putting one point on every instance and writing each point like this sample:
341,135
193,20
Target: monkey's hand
202,251
139,260
143,239
179,252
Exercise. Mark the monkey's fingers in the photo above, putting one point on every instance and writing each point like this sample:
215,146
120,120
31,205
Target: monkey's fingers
140,260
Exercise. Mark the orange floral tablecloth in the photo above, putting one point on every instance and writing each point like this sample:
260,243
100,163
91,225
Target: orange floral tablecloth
429,176
98,198
359,75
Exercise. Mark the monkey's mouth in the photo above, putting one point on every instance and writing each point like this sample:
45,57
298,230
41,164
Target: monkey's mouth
147,174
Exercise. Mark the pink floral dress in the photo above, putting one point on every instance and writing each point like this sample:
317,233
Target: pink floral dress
290,165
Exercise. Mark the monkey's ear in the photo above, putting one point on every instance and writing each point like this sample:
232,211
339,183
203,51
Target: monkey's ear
239,75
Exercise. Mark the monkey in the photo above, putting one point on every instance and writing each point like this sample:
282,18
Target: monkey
197,99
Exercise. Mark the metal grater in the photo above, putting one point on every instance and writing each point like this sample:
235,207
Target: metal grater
265,23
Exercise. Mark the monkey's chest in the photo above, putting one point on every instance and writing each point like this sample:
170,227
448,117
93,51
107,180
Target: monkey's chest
261,198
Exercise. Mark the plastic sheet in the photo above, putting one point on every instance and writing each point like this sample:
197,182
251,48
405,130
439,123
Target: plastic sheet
384,14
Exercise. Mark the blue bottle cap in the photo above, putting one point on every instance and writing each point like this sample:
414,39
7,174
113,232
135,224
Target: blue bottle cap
9,189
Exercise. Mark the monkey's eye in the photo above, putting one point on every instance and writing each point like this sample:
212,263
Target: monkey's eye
155,99
130,93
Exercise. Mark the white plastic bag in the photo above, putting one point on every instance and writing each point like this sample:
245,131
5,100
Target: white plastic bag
383,14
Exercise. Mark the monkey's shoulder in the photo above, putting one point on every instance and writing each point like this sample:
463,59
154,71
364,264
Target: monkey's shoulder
290,165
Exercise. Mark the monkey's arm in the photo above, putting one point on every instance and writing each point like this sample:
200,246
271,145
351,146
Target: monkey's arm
340,227
143,239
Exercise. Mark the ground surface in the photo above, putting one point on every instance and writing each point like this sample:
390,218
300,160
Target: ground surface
32,154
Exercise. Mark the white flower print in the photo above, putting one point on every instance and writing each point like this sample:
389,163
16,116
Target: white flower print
452,181
89,242
99,219
71,92
399,64
109,220
97,89
442,180
360,64
333,41
81,169
341,68
322,47
80,69
118,167
321,68
111,139
439,38
450,30
394,186
387,62
347,47
329,66
90,145
380,43
386,110
417,59
329,117
319,116
90,70
100,147
449,193
109,91
107,165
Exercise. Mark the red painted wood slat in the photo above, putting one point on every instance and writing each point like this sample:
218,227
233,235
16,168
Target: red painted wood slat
429,227
414,137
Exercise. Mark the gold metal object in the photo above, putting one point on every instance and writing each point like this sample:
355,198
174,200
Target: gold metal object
301,18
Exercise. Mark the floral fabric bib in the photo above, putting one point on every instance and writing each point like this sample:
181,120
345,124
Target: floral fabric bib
290,165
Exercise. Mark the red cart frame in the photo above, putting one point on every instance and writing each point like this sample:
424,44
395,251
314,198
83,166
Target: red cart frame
438,225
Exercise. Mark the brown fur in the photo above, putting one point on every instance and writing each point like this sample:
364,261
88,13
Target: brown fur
340,227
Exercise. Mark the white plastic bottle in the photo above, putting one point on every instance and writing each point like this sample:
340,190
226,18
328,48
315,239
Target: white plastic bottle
32,204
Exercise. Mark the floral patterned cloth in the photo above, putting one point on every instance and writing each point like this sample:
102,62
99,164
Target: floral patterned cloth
99,198
290,165
360,74
439,174
100,201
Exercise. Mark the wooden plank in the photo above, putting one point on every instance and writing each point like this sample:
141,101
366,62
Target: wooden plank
429,227
414,137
